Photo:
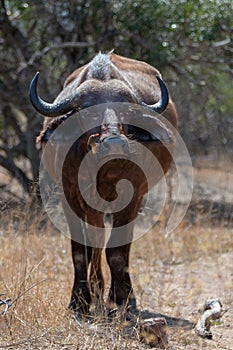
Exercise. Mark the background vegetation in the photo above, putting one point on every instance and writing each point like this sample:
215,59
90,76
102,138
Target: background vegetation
189,41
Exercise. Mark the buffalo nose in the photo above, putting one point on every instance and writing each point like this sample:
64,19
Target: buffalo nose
114,145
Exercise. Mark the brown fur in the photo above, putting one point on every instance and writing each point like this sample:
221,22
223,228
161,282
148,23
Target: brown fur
120,79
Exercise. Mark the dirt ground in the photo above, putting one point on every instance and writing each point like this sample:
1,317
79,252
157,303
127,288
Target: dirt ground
179,289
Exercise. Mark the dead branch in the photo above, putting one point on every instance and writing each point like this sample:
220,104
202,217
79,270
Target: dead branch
212,310
5,302
38,54
9,164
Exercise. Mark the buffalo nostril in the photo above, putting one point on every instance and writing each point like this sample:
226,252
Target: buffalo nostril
114,140
114,145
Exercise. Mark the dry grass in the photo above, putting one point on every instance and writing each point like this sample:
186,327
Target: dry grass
171,276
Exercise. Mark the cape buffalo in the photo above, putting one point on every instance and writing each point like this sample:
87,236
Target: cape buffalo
109,80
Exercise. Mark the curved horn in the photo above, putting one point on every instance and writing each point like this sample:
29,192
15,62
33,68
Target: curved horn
45,108
161,105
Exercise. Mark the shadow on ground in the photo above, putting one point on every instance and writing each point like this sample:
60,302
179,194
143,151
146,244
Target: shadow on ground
172,322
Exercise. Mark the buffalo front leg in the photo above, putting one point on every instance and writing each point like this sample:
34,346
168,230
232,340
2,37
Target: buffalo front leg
121,290
81,255
96,277
80,297
95,234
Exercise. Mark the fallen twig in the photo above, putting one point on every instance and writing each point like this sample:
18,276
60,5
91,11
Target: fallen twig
5,302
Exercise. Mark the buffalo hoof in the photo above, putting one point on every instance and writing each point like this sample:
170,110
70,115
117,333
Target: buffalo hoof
132,306
124,314
82,309
83,318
